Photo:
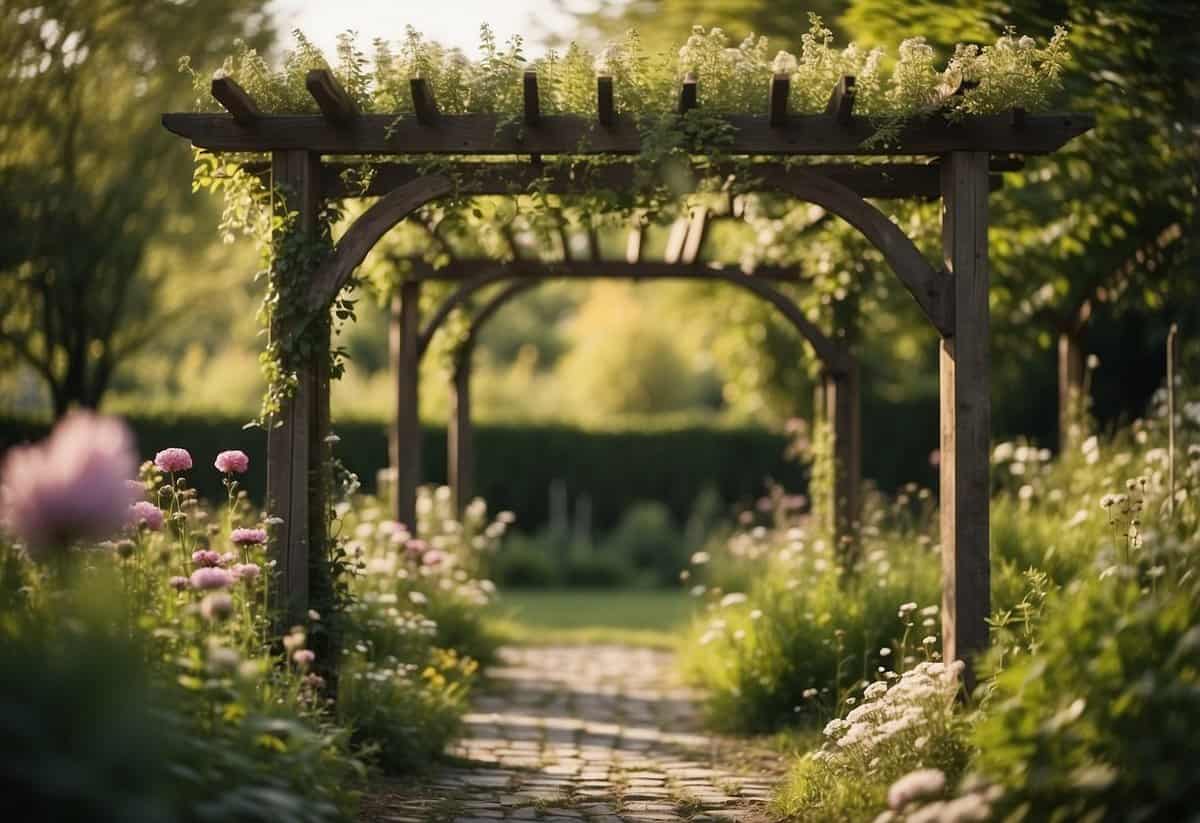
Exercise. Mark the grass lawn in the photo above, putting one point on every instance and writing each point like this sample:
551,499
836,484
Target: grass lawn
636,617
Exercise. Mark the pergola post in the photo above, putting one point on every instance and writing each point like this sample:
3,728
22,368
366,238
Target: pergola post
407,448
297,488
460,444
965,412
840,395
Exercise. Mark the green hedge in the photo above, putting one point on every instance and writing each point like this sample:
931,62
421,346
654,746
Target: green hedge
516,463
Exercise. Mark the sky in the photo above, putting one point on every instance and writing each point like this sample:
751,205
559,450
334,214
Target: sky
451,22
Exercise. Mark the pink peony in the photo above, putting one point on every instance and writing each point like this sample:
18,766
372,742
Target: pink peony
173,460
210,577
146,514
205,557
248,537
70,486
232,462
303,657
246,572
178,583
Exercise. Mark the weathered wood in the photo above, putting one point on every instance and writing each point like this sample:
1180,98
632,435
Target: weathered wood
965,413
1071,365
424,105
633,246
689,94
470,268
934,291
336,105
489,273
1018,118
408,422
533,108
777,103
675,240
841,101
695,235
841,396
874,180
818,134
365,232
236,100
605,110
295,488
460,442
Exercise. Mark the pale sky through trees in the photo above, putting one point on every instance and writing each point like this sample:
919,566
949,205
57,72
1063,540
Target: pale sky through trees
451,22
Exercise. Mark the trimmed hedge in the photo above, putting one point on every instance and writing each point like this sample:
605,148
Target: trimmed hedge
517,463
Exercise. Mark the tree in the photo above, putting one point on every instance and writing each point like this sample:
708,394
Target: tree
1114,214
89,180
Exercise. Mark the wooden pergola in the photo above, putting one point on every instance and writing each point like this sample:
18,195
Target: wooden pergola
958,163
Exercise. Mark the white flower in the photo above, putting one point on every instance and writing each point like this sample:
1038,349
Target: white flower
700,558
1025,492
733,599
418,598
784,63
914,785
1004,451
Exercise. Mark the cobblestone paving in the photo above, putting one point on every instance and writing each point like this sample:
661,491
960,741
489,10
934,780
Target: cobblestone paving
584,733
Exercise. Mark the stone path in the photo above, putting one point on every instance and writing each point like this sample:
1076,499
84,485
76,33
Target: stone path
585,733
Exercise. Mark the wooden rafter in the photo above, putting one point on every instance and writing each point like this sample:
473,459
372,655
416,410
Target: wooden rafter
235,100
336,105
777,102
837,131
695,235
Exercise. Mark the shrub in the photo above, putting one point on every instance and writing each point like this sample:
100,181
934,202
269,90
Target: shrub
903,723
649,542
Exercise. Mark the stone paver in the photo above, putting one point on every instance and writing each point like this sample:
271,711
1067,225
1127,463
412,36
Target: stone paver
584,734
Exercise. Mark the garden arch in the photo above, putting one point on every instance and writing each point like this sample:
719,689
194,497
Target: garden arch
956,300
839,369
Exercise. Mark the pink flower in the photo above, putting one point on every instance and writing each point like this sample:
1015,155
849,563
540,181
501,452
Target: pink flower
146,514
178,583
432,557
217,606
416,548
232,462
205,557
173,460
246,572
210,577
248,537
303,657
70,486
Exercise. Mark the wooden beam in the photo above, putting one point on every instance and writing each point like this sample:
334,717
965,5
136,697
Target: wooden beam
605,110
295,438
695,235
408,421
777,103
236,101
482,134
875,180
424,105
1017,117
675,240
336,105
468,269
841,396
689,96
841,101
633,246
533,111
965,489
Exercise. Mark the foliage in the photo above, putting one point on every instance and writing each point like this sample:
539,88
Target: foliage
904,721
142,678
517,463
86,173
806,634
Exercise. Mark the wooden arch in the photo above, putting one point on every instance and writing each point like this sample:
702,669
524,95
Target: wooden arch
962,153
839,395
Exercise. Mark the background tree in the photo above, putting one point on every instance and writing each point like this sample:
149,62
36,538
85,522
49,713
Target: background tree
89,181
